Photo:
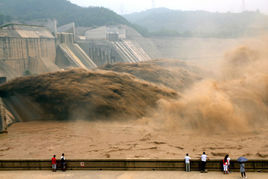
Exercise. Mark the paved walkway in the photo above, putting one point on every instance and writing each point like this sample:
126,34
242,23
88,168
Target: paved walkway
124,175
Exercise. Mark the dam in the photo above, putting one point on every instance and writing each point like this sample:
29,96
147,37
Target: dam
26,49
30,49
110,45
70,54
36,49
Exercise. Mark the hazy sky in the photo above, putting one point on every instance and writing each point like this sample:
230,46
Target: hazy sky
128,6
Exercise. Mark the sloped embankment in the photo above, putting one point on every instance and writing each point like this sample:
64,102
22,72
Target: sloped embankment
83,94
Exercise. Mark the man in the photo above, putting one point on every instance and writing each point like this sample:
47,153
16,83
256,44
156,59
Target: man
54,163
62,161
203,162
187,162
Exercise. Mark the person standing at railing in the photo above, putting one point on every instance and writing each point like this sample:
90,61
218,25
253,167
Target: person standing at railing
225,165
54,163
63,162
243,170
228,163
187,162
203,162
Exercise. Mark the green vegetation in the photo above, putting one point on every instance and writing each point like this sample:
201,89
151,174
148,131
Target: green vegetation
62,10
166,22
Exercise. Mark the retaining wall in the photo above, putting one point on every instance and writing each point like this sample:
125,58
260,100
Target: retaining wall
130,164
22,54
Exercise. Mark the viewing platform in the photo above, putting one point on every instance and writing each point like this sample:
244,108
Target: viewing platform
131,164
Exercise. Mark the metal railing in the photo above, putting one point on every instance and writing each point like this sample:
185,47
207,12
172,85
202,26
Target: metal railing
131,164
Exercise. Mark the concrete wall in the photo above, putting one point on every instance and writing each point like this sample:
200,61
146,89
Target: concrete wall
109,52
131,51
130,164
25,54
120,30
6,117
102,33
34,49
97,34
50,24
101,52
66,38
16,48
3,123
69,54
26,48
69,28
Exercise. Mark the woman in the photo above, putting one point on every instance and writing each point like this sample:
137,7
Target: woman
243,170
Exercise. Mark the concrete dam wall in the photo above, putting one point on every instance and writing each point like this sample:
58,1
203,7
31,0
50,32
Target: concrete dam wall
6,117
26,48
70,53
3,123
108,52
101,52
131,51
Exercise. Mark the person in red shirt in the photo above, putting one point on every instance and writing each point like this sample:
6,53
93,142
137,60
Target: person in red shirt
54,163
225,164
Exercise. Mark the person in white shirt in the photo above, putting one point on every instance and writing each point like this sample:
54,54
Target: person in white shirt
228,163
187,162
203,162
63,162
